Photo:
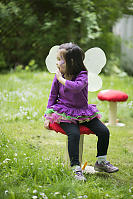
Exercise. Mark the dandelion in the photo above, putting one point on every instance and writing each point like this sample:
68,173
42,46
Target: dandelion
130,104
15,154
6,191
23,99
35,114
6,160
34,197
44,195
15,159
62,164
85,196
56,193
34,191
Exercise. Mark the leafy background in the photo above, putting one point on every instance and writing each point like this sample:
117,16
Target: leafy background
28,29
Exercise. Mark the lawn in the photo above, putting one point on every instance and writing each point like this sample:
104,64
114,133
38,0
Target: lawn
32,158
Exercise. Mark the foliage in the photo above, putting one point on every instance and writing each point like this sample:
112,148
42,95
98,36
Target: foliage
127,65
109,11
30,28
32,66
2,61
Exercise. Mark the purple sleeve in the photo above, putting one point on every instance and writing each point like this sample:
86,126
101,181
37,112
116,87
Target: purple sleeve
78,84
53,93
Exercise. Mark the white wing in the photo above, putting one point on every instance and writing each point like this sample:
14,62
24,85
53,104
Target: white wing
51,59
94,61
94,82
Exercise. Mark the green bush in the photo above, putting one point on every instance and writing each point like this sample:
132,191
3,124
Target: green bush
2,62
31,66
127,65
30,28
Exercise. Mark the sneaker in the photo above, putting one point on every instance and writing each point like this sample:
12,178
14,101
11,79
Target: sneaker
105,166
78,173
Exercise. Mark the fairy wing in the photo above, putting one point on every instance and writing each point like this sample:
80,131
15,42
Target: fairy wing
94,61
51,59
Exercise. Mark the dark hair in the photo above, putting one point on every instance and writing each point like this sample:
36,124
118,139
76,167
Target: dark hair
74,57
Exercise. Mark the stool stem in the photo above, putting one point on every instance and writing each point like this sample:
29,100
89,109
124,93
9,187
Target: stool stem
112,113
81,143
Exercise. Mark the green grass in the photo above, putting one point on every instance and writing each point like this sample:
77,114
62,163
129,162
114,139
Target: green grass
32,158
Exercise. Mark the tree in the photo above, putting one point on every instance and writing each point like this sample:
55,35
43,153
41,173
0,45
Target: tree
28,29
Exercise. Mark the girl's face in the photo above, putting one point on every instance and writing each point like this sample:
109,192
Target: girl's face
61,63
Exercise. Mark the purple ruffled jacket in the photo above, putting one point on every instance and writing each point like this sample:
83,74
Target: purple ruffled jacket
72,99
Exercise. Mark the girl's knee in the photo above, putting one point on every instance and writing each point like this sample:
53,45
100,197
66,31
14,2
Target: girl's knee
75,135
108,133
104,132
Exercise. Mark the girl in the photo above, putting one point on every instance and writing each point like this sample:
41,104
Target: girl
68,105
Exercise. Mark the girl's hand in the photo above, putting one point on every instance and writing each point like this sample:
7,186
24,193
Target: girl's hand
58,74
60,78
46,124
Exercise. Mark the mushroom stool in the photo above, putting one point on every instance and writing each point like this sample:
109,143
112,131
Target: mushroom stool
83,130
113,96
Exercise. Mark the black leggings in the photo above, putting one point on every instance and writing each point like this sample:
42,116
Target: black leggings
73,132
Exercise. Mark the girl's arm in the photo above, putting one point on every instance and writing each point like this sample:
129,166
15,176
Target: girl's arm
52,99
77,85
53,93
60,78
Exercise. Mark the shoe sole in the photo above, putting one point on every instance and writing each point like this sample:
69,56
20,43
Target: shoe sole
101,170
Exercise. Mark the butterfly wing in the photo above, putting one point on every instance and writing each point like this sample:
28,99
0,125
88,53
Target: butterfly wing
51,59
94,61
94,82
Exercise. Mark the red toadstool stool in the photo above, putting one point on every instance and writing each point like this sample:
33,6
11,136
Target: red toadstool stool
113,96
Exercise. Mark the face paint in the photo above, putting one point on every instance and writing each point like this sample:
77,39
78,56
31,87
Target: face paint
61,62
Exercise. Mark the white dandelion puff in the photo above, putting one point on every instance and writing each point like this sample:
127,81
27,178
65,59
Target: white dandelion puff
34,197
56,193
34,191
6,191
